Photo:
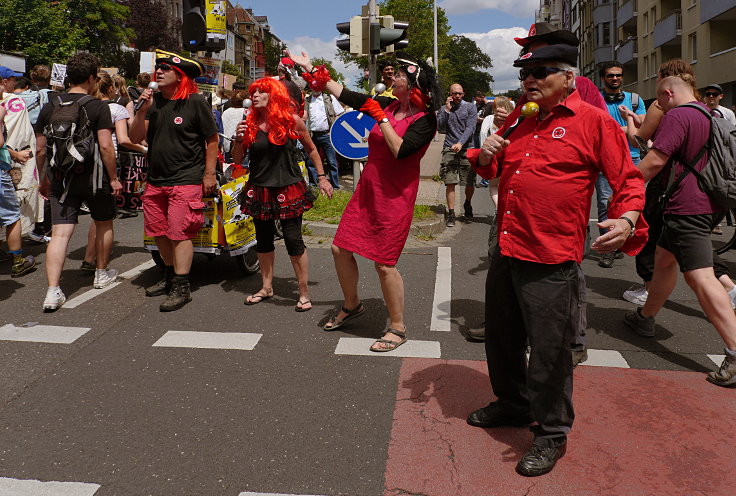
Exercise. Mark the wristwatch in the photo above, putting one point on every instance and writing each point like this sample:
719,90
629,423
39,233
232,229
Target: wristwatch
631,224
384,120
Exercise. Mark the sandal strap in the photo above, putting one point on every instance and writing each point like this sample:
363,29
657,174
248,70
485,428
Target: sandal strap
355,310
395,332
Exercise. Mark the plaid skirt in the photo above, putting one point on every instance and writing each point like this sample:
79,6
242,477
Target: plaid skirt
269,203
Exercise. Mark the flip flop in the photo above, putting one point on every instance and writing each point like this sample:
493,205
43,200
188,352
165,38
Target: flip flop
301,308
260,298
335,323
390,345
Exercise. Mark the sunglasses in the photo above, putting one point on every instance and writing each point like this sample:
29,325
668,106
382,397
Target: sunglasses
540,72
614,75
457,93
164,67
711,94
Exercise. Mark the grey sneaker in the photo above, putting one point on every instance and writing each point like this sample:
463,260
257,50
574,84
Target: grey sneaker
450,222
726,374
22,266
607,260
105,277
643,326
54,300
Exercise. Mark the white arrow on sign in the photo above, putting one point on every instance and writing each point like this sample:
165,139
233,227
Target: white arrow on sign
362,140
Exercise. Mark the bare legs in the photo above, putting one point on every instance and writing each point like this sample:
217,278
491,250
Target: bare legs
392,286
176,253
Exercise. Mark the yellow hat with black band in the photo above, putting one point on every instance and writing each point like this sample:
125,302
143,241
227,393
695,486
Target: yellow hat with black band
188,66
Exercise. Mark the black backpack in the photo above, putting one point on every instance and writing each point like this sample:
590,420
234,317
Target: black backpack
718,177
70,136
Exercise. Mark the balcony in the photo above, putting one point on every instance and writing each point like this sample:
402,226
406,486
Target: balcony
722,9
626,16
603,13
603,54
627,51
668,30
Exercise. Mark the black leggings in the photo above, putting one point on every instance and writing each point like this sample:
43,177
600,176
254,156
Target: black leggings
292,229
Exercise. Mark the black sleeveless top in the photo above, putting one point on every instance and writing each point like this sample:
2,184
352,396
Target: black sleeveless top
272,165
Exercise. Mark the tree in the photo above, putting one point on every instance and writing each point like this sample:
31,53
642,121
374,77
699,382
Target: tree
146,20
465,59
273,53
43,32
233,70
336,76
103,21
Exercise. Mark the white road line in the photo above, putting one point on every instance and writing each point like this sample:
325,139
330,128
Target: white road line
717,359
88,295
209,340
410,349
17,487
42,334
606,358
441,306
247,493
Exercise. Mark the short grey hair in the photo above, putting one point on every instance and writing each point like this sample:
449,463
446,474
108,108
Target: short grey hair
567,68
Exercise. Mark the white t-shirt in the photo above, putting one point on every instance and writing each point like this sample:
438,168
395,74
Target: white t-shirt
118,113
727,114
317,114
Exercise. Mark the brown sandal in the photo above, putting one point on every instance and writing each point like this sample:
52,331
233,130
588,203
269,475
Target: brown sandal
390,345
251,300
335,323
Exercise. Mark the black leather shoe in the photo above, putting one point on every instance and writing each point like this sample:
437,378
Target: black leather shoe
539,460
477,335
493,416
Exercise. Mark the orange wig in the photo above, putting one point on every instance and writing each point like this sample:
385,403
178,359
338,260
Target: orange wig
187,86
278,114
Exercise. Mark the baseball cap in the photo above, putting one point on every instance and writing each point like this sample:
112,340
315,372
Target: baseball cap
715,87
544,31
559,52
7,72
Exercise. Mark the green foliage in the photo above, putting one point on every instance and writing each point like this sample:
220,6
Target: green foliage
103,21
273,53
465,61
229,68
336,76
44,33
515,94
330,210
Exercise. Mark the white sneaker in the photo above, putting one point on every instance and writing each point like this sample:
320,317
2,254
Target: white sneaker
54,300
105,277
732,297
636,295
39,238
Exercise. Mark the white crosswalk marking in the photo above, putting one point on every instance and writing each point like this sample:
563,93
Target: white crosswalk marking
88,295
42,333
272,494
411,349
606,358
441,304
209,340
717,359
17,487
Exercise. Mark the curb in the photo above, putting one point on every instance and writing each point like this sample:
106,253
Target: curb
431,227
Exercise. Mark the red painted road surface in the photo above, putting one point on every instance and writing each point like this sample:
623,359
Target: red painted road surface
636,433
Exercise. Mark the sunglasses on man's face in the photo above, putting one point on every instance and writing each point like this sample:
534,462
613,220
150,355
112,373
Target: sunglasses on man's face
614,75
540,72
712,94
163,67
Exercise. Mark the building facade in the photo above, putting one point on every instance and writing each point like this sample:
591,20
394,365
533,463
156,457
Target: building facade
641,34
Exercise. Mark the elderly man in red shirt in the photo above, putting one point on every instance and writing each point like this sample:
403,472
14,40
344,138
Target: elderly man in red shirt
548,168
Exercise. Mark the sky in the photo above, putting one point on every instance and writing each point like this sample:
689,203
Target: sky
492,24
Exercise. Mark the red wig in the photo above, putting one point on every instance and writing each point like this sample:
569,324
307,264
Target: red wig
187,86
278,113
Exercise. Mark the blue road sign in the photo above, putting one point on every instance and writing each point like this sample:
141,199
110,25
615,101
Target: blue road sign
349,134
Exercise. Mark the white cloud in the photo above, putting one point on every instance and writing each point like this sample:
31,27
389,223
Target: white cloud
499,44
315,47
519,8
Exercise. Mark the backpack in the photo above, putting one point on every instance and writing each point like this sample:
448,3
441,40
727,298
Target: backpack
718,177
72,141
635,99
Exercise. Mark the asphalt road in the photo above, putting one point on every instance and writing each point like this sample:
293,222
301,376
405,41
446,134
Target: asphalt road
119,415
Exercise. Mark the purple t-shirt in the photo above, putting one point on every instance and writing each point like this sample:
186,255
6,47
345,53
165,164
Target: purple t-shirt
681,134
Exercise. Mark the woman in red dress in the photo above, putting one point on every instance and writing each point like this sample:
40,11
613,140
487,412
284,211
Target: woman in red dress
276,188
377,219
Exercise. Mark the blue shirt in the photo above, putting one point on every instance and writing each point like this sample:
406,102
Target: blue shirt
613,110
460,123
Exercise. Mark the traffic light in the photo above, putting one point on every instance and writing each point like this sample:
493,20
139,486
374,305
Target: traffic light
193,26
389,35
203,26
356,29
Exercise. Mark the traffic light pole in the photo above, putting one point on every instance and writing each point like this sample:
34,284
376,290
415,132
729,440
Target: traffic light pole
372,19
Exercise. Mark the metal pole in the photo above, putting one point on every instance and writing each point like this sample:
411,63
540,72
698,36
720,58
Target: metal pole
436,58
372,19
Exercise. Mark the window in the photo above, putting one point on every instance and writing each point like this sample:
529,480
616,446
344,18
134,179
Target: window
655,67
654,17
693,47
646,65
646,23
606,33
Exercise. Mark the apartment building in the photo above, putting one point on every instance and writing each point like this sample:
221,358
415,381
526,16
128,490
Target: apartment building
642,33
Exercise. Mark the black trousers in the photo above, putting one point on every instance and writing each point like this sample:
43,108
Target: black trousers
292,229
540,304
